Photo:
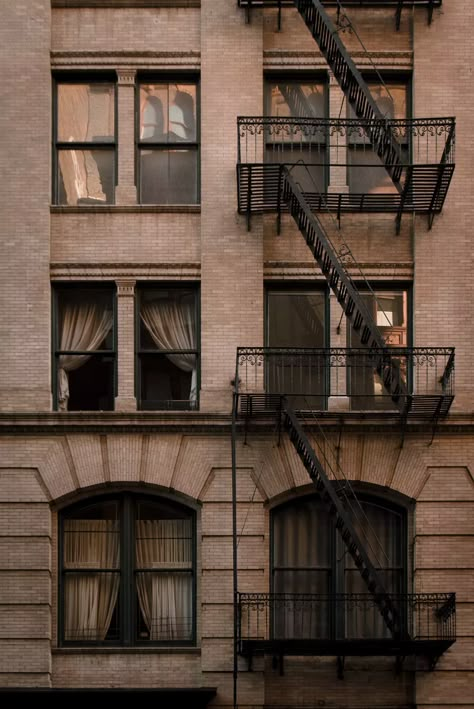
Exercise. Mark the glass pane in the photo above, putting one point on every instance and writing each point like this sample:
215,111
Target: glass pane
165,607
86,112
296,99
91,607
296,319
168,112
367,174
91,544
305,613
164,543
168,177
168,319
86,177
168,382
301,537
391,99
85,319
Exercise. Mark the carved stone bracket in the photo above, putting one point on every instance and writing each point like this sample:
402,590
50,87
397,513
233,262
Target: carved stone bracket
125,288
126,77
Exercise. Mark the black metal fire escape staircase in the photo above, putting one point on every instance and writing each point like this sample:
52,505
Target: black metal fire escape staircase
353,86
344,289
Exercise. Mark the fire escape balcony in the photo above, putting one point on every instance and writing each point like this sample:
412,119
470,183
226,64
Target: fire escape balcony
344,624
337,167
398,5
345,379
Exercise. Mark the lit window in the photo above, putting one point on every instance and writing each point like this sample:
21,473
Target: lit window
85,143
127,572
168,147
168,352
389,309
84,359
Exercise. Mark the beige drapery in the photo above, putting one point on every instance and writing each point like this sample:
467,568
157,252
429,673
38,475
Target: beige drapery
90,596
172,326
165,597
84,327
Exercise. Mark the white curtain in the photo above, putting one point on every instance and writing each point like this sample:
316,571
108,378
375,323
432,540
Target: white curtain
165,597
90,597
172,326
84,327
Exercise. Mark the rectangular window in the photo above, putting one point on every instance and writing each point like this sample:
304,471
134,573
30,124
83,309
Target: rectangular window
85,142
84,357
168,142
298,139
297,319
366,171
168,348
389,310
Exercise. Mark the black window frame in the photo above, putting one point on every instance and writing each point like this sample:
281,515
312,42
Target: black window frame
62,286
189,78
127,503
319,401
141,352
91,78
336,568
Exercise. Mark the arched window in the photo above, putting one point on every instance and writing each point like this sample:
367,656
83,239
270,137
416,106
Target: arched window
127,566
319,592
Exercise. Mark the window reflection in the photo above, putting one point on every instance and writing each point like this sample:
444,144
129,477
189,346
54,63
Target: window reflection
85,143
167,115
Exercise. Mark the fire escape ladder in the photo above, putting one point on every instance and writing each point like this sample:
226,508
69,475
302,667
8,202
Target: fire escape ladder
334,500
344,288
354,87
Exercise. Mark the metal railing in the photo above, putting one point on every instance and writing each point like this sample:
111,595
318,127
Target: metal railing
278,617
309,376
342,141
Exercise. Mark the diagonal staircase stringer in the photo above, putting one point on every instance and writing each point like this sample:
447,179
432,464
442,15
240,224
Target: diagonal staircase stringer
343,287
343,523
353,86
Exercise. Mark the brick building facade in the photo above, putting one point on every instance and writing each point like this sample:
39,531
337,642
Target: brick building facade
149,539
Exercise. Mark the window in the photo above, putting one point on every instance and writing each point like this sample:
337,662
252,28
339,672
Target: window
168,142
366,171
84,350
293,141
297,318
168,353
84,166
127,572
309,557
389,309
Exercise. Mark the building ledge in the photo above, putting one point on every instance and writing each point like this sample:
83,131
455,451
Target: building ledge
128,209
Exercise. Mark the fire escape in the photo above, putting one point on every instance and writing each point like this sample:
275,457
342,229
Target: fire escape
414,383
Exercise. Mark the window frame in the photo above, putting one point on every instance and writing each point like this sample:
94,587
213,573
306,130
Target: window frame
191,78
336,621
127,503
62,286
142,351
111,146
301,288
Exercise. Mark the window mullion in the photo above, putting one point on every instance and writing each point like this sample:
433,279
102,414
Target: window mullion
127,577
